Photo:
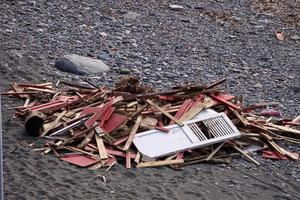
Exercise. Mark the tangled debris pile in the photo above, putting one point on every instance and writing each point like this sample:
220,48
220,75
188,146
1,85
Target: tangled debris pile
96,127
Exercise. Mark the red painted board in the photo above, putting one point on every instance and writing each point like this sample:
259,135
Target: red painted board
275,155
106,115
113,122
199,97
160,123
89,110
223,100
167,98
97,116
90,148
120,141
119,153
183,109
162,129
180,155
80,160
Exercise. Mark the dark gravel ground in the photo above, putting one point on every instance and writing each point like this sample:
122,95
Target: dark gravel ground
206,41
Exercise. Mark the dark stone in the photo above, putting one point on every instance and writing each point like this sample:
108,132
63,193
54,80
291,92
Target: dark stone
65,65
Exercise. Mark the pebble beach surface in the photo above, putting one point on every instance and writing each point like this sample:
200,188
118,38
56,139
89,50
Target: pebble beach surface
164,45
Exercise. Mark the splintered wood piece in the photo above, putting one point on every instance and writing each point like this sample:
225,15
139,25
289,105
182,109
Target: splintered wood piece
171,157
148,122
196,109
270,141
96,166
80,134
160,163
164,112
112,164
120,141
216,83
183,109
131,104
48,149
41,90
53,124
246,155
297,119
215,151
137,158
138,111
224,101
86,140
120,153
110,140
133,132
70,148
283,128
26,103
17,93
19,90
239,116
40,85
101,147
128,161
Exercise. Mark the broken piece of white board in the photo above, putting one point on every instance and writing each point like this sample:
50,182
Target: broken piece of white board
203,130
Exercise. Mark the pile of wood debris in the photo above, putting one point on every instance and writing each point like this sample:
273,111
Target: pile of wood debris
95,127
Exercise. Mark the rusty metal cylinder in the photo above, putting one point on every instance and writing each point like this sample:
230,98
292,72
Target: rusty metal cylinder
34,123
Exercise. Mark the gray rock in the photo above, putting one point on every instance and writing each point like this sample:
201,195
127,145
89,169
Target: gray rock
176,7
131,16
104,56
258,85
295,37
80,65
103,34
185,20
124,71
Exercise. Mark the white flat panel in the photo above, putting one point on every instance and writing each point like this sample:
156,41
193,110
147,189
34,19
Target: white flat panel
155,143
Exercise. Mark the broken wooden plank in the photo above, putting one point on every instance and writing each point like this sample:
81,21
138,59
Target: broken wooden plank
132,133
224,101
41,90
96,166
54,123
216,83
187,104
137,158
282,128
120,141
86,140
138,111
19,90
246,155
196,109
128,160
164,112
215,151
160,163
101,147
